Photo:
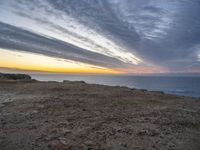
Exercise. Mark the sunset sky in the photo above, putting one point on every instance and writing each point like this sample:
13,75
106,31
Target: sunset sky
100,36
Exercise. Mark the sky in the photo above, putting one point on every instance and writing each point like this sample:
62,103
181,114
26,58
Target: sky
101,36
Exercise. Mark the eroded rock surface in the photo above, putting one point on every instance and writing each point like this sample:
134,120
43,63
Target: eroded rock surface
76,115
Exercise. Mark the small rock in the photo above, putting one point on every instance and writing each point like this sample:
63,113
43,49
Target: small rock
142,133
35,111
123,144
66,131
62,140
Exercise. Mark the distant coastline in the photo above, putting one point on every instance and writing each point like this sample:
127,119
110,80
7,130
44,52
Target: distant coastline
9,76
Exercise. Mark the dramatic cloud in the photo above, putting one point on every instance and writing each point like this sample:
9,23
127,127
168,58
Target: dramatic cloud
126,34
19,39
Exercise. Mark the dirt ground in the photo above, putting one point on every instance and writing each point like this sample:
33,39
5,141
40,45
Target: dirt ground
75,115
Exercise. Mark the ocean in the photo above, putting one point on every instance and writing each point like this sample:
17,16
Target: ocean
182,85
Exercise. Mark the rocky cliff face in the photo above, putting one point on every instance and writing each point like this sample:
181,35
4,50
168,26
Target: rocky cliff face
4,76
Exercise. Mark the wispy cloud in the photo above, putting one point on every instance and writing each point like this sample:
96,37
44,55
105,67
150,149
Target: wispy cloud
71,30
108,33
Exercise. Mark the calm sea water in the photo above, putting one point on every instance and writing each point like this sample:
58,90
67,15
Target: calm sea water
185,86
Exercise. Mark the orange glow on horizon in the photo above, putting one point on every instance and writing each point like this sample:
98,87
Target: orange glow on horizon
144,70
38,62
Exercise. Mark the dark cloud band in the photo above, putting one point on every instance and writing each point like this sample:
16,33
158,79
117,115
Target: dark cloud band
15,38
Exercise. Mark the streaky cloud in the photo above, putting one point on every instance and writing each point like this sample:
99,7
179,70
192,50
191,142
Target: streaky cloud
12,37
111,33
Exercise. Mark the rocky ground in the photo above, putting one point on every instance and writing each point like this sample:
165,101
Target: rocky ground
75,115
